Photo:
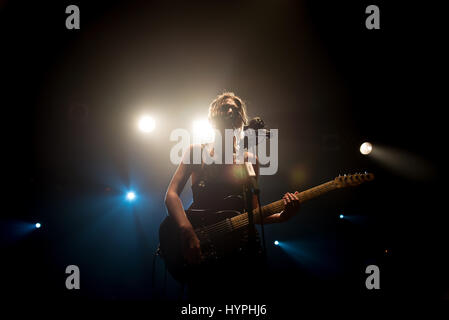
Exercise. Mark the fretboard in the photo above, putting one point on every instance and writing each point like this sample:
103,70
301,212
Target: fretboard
241,220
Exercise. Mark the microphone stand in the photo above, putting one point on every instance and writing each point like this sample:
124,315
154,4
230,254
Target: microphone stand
251,188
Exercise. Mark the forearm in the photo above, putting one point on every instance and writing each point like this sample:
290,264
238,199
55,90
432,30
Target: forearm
274,218
176,210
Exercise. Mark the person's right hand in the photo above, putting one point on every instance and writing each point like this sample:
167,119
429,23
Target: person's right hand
191,246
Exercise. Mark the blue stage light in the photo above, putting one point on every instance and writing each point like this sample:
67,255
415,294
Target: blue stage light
37,225
342,216
130,196
276,243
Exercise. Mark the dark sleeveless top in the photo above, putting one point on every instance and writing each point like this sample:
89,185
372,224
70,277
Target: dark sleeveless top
218,187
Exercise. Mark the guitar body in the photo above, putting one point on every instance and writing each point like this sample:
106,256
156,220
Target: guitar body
219,243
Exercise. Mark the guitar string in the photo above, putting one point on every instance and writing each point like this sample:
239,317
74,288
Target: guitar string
243,221
222,225
240,222
306,196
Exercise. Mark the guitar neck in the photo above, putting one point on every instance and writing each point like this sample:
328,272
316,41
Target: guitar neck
277,206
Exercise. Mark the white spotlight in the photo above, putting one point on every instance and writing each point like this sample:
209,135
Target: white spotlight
37,225
203,131
366,148
147,124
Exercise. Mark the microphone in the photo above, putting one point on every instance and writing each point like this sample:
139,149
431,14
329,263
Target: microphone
257,123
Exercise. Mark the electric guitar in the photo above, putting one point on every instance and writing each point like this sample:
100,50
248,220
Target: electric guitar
222,233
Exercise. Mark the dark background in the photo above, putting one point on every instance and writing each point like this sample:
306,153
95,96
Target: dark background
70,102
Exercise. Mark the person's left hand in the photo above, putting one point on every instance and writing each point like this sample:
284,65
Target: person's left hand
292,205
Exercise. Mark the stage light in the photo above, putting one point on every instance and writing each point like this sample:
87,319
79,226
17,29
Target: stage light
130,196
203,131
342,216
366,148
37,225
276,243
147,124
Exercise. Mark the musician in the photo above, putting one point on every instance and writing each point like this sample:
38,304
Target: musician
211,183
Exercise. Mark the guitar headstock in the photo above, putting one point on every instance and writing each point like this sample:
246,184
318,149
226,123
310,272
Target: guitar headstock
352,180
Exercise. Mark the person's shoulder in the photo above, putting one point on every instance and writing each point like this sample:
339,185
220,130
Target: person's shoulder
191,154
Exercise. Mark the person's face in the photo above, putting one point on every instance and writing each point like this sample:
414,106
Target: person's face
230,116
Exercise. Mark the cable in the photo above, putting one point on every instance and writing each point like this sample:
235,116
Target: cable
262,227
156,254
165,281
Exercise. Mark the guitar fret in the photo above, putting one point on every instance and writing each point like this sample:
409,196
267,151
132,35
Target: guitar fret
277,206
